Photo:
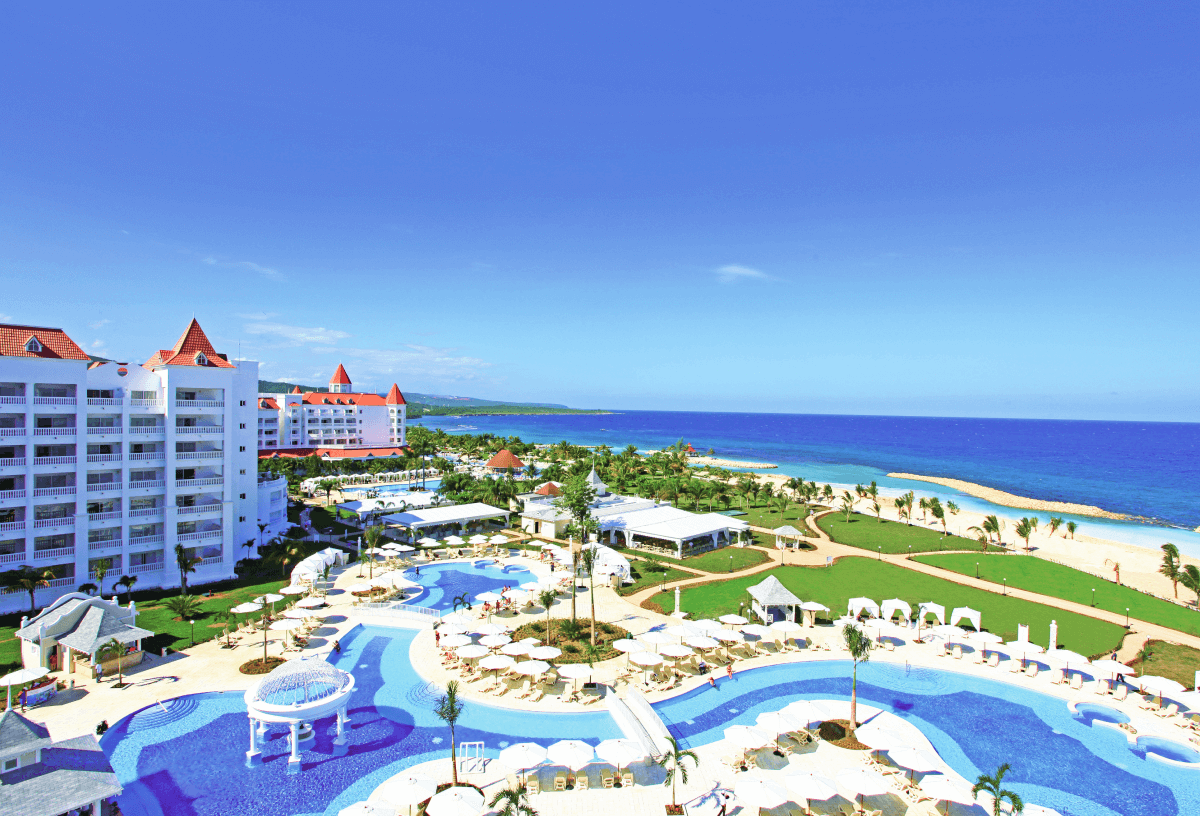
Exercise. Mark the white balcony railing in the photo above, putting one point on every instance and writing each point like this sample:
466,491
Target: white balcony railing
105,402
59,583
199,455
138,569
211,561
12,558
146,512
47,555
147,485
200,509
68,430
199,403
12,400
57,521
69,490
103,487
12,431
147,457
12,494
107,515
145,541
145,403
12,526
104,430
53,460
199,429
13,461
53,400
147,430
106,544
213,481
104,457
200,536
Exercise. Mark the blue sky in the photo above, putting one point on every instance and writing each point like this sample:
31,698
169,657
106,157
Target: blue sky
943,209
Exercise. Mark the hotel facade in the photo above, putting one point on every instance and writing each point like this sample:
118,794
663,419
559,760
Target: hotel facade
122,462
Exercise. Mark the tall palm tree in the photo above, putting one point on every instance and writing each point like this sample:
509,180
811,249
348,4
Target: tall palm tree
116,649
980,535
127,581
1024,530
992,525
1171,566
938,512
781,504
924,505
1191,579
848,500
100,570
186,563
448,710
1071,528
546,599
28,579
1055,523
262,528
993,785
827,493
859,644
515,802
675,760
328,485
901,505
587,559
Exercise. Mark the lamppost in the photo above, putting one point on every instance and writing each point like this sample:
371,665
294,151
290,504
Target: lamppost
1093,596
880,556
192,623
1127,617
976,569
731,561
1005,586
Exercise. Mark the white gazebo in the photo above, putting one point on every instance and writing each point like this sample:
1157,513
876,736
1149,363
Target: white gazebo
772,594
787,535
296,694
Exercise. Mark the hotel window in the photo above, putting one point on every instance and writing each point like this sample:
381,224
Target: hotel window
33,346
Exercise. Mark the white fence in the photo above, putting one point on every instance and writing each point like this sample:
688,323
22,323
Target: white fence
421,615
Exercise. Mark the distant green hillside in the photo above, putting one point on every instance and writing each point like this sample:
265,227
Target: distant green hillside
269,387
444,405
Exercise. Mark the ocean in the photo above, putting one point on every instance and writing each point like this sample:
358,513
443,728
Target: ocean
1144,469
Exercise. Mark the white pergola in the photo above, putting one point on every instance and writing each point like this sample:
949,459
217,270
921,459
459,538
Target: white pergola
296,694
454,515
771,593
667,523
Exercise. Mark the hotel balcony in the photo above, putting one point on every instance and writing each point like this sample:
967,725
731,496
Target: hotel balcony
103,457
210,509
147,457
57,521
53,555
146,540
199,403
211,561
105,402
198,430
12,400
12,462
40,492
105,487
53,460
109,515
211,481
106,544
151,485
63,430
53,400
12,431
12,495
147,430
139,569
13,558
12,526
105,430
147,512
210,454
202,535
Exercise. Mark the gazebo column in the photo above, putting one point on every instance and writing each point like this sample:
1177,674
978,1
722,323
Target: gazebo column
294,741
679,548
253,756
339,742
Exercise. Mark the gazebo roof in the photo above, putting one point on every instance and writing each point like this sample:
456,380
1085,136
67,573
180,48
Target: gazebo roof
98,626
505,459
301,681
548,489
788,531
19,734
772,593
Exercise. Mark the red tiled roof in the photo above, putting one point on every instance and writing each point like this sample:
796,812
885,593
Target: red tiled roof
54,342
394,397
268,404
333,453
340,377
330,398
548,489
504,459
188,348
296,389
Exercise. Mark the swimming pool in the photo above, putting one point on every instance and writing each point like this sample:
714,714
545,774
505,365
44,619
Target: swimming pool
189,760
445,582
975,724
395,490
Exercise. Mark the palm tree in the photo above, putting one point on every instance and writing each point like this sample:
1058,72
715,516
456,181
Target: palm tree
89,588
292,551
546,599
781,504
675,760
848,501
186,563
938,512
827,493
328,485
462,601
28,579
516,802
1055,523
1170,566
909,497
115,648
262,528
1191,579
1024,530
952,508
448,710
1116,565
900,504
992,786
980,536
371,537
859,645
249,543
100,569
127,581
1071,528
587,559
992,525
924,505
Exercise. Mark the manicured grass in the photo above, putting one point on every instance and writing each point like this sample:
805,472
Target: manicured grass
1055,580
879,580
1180,663
176,634
324,522
643,577
869,533
716,561
769,517
10,650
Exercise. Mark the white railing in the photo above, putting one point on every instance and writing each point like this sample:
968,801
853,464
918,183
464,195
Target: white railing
147,457
144,485
53,460
199,403
141,541
199,429
145,403
58,583
68,430
208,562
12,400
106,544
104,457
12,431
212,481
197,509
57,521
12,526
54,491
107,515
10,558
101,487
53,400
104,430
138,569
12,494
13,461
143,512
419,614
105,401
277,500
203,534
147,429
200,454
46,555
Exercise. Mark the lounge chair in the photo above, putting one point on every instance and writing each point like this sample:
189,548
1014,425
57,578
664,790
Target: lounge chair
1121,692
533,784
1014,666
1103,687
889,645
957,652
560,781
994,659
1149,704
627,779
1077,681
1169,711
1031,670
1057,676
581,781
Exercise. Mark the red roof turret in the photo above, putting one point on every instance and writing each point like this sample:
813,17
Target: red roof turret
504,460
340,377
191,349
394,397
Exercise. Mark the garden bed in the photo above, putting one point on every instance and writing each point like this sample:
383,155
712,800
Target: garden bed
574,639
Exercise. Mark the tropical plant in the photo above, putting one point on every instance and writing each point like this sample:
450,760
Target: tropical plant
1191,579
938,512
512,802
848,501
100,569
859,645
923,504
546,599
371,538
448,710
462,601
993,526
1071,528
901,505
576,499
1024,530
827,493
127,581
1116,565
89,588
952,508
116,649
186,563
993,785
1054,524
587,560
184,606
1171,566
328,485
980,535
249,543
674,760
28,579
781,504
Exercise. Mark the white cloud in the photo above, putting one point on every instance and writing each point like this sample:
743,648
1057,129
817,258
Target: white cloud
99,324
7,319
409,362
258,315
265,271
733,273
297,335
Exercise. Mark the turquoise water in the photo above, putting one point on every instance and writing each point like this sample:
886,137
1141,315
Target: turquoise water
398,490
1058,759
446,582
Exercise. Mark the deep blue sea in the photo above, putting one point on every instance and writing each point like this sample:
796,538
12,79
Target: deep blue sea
1148,469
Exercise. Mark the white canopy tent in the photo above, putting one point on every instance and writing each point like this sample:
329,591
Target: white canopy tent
858,605
454,515
890,608
930,608
966,612
697,531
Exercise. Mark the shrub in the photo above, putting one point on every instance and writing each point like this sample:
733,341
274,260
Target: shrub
571,648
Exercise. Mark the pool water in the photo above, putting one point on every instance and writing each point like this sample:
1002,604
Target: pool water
189,759
1167,748
398,490
1090,712
444,583
975,724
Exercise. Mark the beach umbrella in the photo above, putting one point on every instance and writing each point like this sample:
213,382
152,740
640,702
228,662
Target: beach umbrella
1067,657
452,629
284,625
457,619
353,588
620,752
646,659
675,650
706,626
950,634
454,541
497,663
405,548
945,789
863,782
471,651
488,597
656,638
1109,668
533,668
491,629
806,711
515,649
19,678
297,613
785,627
454,641
702,642
915,759
495,641
293,590
759,631
247,608
573,754
366,809
1158,686
514,594
1021,649
310,603
523,756
477,539
682,631
814,606
777,722
984,639
757,792
746,737
459,801
498,539
544,652
575,671
810,786
428,542
733,620
627,645
880,738
269,598
532,586
727,636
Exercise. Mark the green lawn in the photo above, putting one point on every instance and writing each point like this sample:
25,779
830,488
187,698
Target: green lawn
869,533
325,523
643,577
1180,663
10,650
176,634
854,577
717,561
1057,581
769,517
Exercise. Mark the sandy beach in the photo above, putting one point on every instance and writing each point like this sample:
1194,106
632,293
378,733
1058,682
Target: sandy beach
713,461
1010,500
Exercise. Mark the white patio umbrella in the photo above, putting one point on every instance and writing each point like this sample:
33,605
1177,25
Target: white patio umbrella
459,801
453,629
1067,657
454,541
269,598
488,597
495,641
358,588
19,678
284,625
620,752
746,737
1021,649
863,782
515,649
646,659
310,603
298,614
491,629
706,625
777,722
573,754
544,652
733,620
472,651
656,638
405,548
406,790
1109,668
498,539
806,711
880,738
523,756
1158,686
757,792
457,619
533,668
810,786
814,606
727,636
575,671
627,645
428,542
247,608
293,590
366,809
950,634
785,627
454,641
514,594
477,539
984,639
915,759
703,642
945,789
682,631
531,586
497,663
759,631
674,650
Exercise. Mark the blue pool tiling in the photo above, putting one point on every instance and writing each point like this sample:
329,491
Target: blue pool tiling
1090,712
445,582
1167,748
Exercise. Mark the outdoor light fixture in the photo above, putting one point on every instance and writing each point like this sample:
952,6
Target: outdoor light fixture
976,569
1127,617
192,623
1093,596
1005,586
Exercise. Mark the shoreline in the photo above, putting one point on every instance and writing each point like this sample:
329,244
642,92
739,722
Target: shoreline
1001,497
716,461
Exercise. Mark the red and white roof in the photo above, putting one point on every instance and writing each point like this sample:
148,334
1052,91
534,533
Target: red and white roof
267,403
340,377
333,453
335,398
51,344
504,459
191,349
394,397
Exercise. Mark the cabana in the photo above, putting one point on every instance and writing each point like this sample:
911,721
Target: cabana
772,601
785,535
858,605
930,608
691,533
457,515
966,612
890,608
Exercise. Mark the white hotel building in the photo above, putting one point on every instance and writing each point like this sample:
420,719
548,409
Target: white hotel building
123,462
